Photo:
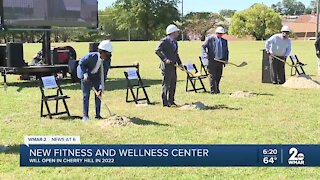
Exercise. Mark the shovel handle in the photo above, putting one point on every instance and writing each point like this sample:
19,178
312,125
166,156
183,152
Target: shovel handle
99,97
224,62
281,60
184,70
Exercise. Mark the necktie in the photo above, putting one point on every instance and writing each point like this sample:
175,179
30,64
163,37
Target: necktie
219,48
174,45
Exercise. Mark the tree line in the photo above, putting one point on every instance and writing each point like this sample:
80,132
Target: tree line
147,20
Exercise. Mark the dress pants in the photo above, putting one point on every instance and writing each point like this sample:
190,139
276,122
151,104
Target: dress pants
277,70
215,70
169,83
86,88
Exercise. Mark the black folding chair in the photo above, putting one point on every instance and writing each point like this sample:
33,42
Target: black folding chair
297,66
204,65
134,81
193,76
49,84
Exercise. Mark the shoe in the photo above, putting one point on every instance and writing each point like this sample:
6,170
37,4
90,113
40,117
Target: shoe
85,119
173,104
98,117
274,82
166,105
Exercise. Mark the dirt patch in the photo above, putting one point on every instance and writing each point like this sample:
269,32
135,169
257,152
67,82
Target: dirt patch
8,121
242,94
116,121
196,105
301,82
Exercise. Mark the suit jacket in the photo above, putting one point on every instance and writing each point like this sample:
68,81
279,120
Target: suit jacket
209,48
168,50
317,46
87,64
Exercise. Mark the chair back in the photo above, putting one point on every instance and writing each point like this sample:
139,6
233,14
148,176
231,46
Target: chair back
132,74
204,65
133,78
294,59
204,61
190,66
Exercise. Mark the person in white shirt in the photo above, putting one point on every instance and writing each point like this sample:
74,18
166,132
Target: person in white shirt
278,45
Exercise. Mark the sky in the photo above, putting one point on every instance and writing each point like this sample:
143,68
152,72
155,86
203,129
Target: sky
211,5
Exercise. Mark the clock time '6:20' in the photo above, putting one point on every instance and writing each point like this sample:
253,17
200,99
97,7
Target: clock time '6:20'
269,151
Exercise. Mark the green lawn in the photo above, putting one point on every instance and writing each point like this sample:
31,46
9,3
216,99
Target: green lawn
275,116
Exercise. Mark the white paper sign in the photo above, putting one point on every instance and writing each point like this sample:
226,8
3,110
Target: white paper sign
190,67
132,74
49,82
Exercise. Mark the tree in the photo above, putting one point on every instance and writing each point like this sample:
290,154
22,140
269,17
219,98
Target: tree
312,8
201,22
146,16
228,13
299,8
277,7
259,21
22,36
289,7
107,19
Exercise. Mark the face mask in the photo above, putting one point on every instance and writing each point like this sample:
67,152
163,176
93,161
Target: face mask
219,35
104,55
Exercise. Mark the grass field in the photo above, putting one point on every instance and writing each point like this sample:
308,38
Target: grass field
275,116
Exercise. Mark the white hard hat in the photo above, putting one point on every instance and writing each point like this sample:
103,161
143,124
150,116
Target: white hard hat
220,30
285,29
105,45
171,29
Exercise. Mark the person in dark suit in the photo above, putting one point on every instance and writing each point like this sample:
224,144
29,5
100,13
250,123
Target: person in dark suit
216,48
317,46
168,53
92,70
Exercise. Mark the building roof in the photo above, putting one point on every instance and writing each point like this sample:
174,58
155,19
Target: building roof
303,23
301,27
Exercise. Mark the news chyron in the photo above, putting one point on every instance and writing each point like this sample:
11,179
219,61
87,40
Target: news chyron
54,151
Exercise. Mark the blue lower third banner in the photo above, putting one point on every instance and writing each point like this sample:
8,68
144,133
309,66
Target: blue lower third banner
170,155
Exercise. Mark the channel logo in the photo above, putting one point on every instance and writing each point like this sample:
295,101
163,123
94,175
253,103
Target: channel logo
296,158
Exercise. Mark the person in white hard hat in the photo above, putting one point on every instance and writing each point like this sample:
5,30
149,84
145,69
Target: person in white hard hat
216,50
278,45
168,53
92,70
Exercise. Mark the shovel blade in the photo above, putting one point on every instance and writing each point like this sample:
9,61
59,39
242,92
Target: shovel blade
242,64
